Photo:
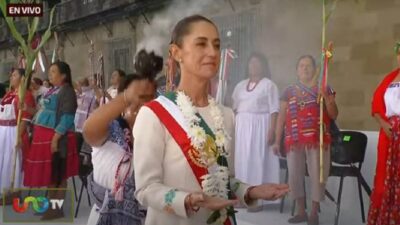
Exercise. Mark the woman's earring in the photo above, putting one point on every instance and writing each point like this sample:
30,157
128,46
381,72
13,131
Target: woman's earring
180,60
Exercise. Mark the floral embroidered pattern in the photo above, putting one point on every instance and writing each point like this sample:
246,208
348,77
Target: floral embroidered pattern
389,211
168,199
120,136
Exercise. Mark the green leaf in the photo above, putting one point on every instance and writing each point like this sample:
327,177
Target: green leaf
222,161
231,211
48,32
236,186
331,10
213,217
26,21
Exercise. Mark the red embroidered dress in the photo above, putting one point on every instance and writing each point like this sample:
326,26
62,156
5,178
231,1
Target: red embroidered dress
302,118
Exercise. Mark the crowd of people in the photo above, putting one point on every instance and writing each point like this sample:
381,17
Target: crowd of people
179,157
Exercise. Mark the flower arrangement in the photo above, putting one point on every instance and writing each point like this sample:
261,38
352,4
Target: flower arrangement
210,150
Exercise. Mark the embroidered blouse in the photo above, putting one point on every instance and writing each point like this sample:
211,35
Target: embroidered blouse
302,118
115,153
392,99
57,111
9,107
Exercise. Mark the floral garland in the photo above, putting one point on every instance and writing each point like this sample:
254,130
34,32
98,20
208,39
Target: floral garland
215,183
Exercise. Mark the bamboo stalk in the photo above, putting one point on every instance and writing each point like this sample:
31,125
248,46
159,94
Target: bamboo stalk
321,104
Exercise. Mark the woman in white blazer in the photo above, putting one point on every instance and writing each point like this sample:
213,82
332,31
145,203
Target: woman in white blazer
182,142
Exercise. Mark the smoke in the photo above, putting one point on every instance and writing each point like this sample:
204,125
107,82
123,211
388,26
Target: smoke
156,35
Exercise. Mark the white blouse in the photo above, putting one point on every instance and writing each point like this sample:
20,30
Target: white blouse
105,160
263,97
392,99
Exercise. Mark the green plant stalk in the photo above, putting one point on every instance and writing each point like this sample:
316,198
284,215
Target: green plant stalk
321,103
30,55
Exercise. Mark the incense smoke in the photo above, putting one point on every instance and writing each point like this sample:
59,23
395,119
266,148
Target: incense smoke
156,35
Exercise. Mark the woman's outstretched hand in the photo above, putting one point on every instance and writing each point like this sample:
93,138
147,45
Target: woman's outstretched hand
199,199
268,191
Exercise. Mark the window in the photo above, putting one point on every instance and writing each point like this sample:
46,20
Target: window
243,27
120,57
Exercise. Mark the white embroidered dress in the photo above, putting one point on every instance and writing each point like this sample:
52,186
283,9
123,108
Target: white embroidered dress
255,162
8,132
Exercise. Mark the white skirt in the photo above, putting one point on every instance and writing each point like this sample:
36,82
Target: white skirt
255,162
7,140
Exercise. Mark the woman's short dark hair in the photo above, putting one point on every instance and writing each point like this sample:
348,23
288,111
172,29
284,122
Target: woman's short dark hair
121,73
64,68
264,63
21,72
38,81
182,28
307,57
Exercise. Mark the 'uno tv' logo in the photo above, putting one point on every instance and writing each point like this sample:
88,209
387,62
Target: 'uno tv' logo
39,204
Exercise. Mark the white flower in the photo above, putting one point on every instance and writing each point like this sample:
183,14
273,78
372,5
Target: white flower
209,184
220,139
197,136
222,175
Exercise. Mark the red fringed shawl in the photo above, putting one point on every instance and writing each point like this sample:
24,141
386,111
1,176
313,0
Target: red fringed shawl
302,118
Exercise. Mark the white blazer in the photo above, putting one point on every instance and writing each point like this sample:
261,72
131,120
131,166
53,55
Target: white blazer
160,166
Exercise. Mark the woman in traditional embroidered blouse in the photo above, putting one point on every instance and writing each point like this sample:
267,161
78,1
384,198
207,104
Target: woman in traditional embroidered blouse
181,155
9,109
385,197
299,119
53,156
108,130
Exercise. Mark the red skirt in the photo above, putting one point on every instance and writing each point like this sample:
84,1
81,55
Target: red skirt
385,207
38,168
26,145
